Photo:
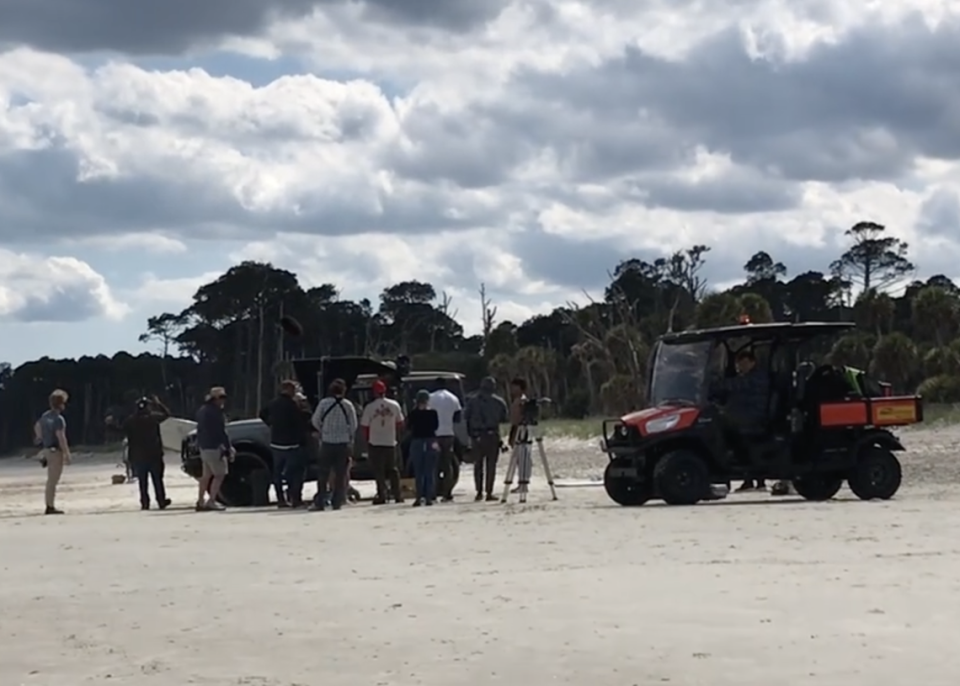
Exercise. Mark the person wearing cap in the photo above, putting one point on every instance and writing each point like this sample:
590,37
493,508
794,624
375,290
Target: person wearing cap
483,415
145,449
423,423
215,449
381,421
289,435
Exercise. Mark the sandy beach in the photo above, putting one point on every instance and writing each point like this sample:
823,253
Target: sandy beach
750,590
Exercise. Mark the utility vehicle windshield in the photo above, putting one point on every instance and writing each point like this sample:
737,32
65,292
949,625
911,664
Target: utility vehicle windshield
678,373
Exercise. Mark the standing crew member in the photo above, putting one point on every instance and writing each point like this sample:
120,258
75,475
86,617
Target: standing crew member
289,434
215,449
745,406
51,433
336,420
448,410
518,396
423,449
145,449
382,420
484,414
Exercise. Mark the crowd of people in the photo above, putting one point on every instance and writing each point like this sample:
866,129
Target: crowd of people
295,428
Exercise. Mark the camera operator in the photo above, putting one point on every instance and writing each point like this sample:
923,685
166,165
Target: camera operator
483,415
518,398
145,449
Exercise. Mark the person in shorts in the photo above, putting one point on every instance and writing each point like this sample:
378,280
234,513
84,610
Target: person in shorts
51,434
215,449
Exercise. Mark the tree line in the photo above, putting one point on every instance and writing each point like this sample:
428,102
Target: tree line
589,357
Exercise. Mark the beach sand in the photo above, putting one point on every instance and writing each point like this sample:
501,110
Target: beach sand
750,590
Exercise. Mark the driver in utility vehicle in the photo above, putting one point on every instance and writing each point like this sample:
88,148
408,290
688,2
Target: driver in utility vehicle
745,401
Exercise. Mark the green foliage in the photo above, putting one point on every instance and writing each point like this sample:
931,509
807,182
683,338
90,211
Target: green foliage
940,389
590,359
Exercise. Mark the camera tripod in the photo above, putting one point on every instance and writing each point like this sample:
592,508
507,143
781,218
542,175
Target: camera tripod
521,463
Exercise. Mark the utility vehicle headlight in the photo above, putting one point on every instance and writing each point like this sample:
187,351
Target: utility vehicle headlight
622,431
661,424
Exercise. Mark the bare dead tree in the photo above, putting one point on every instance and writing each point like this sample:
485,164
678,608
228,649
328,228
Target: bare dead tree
446,306
489,314
683,270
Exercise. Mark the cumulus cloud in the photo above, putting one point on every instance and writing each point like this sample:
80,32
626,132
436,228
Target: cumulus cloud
179,25
527,144
53,289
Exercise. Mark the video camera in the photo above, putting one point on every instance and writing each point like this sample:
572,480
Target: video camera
530,410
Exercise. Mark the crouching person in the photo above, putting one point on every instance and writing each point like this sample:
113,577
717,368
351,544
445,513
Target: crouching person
289,436
145,449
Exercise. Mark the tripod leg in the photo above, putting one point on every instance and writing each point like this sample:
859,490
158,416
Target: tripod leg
511,470
546,467
524,469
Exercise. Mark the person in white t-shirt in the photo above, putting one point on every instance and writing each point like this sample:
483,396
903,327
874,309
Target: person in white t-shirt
448,408
381,422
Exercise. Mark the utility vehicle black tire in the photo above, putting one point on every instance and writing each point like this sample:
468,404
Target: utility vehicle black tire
878,475
818,487
682,478
237,488
625,490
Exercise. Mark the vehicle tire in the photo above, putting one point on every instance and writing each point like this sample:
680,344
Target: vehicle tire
878,475
682,478
238,488
628,491
818,487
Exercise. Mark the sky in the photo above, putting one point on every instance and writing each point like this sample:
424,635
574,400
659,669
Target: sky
529,145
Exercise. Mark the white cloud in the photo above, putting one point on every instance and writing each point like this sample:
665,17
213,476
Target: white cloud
34,288
151,243
168,294
531,151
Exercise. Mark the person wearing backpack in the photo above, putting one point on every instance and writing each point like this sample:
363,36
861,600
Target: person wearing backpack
336,420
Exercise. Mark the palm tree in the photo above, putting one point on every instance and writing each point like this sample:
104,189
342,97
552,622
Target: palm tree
756,307
874,311
717,309
935,314
895,359
853,350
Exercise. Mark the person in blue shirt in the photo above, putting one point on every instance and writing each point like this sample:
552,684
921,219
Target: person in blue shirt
215,449
51,435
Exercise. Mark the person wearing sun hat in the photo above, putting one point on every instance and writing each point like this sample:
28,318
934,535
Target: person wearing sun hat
215,448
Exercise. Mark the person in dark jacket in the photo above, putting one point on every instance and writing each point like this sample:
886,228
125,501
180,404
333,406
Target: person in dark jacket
483,415
747,397
289,435
145,449
424,451
215,449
